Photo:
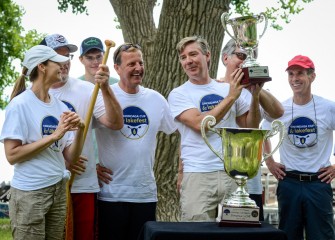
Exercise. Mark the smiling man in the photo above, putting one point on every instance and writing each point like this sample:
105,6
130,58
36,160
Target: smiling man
305,172
205,182
128,197
232,58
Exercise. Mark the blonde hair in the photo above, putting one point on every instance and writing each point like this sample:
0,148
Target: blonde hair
188,40
203,44
20,85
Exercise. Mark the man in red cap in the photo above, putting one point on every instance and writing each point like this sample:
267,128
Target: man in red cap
304,191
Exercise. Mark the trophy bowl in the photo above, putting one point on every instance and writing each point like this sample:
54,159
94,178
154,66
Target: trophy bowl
245,35
242,154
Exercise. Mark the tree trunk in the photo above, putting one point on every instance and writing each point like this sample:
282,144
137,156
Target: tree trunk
178,19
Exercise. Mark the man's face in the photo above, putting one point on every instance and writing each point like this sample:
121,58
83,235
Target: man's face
91,61
131,69
194,62
300,82
66,67
234,60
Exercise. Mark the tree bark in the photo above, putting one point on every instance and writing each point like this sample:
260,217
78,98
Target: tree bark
178,19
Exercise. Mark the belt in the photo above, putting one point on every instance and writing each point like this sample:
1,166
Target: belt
303,177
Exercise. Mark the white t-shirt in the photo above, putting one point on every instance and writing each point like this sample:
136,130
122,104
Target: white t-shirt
195,154
130,152
76,94
308,139
28,119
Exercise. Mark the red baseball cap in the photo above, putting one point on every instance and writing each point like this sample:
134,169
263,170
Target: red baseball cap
301,61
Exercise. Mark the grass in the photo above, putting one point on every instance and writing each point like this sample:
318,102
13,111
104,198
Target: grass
5,232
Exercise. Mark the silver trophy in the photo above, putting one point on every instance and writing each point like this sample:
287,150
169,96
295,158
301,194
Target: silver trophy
242,154
246,37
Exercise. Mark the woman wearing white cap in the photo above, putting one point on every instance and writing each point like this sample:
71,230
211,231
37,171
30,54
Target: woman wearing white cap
38,136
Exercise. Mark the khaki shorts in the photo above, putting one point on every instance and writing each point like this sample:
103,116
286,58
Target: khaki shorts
38,214
202,192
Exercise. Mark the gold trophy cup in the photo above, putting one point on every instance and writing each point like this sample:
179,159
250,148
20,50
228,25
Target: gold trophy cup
245,36
242,154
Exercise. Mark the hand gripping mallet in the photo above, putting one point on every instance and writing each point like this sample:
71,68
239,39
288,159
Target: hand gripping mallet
69,214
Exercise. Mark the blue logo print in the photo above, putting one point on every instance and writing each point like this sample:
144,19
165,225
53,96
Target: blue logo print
136,123
49,125
209,102
70,106
303,132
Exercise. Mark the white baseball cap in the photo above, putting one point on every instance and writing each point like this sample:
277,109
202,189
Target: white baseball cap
39,54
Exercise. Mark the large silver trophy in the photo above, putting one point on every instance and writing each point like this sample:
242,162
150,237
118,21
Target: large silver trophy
245,36
242,154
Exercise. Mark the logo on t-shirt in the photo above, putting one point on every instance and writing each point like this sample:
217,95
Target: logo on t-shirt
209,102
136,123
70,106
303,132
49,125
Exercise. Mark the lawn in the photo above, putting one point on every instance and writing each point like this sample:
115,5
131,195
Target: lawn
5,233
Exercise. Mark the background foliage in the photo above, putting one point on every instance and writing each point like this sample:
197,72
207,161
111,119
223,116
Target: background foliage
13,43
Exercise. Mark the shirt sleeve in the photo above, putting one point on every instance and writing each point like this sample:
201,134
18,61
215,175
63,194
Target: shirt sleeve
14,127
179,103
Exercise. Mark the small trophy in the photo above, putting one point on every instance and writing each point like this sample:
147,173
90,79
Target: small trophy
242,153
245,36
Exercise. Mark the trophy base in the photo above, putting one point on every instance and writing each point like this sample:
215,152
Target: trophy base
256,74
224,223
238,216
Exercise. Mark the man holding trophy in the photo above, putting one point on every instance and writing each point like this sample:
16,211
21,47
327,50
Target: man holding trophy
205,183
232,58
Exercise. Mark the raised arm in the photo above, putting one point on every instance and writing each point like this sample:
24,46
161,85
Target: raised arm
193,117
270,104
113,118
252,118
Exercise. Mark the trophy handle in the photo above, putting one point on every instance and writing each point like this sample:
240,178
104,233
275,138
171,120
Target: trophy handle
276,126
262,16
224,20
209,121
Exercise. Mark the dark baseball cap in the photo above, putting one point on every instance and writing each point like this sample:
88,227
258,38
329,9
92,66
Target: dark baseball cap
56,41
91,43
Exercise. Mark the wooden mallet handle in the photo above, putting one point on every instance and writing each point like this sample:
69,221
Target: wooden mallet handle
109,44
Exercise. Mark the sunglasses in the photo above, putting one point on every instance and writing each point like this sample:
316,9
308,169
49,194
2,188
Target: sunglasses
123,48
240,55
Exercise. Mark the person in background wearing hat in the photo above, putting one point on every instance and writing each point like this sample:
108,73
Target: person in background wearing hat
91,55
304,172
76,94
38,138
